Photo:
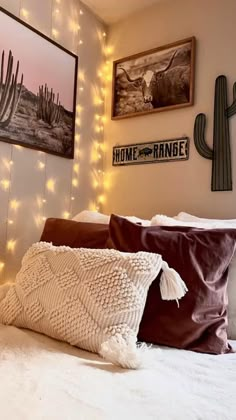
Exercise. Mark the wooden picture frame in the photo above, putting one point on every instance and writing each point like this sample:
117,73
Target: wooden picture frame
156,80
38,85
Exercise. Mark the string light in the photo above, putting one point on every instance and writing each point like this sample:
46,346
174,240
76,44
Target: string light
41,165
66,215
51,185
5,184
75,182
24,13
55,33
11,244
14,204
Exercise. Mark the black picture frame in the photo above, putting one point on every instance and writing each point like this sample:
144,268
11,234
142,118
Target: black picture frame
38,111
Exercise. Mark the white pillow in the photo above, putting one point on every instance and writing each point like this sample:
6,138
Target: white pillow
186,217
89,216
188,220
90,298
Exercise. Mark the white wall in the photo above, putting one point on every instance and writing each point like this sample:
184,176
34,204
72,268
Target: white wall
71,179
171,187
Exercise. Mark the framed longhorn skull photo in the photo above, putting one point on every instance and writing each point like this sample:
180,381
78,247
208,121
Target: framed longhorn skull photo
38,79
156,80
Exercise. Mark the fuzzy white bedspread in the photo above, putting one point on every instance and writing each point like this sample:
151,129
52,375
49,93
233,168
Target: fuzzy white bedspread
44,379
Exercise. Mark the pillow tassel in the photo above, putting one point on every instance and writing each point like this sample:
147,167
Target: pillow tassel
124,352
172,287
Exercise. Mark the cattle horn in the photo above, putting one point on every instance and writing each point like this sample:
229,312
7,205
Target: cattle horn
129,78
169,64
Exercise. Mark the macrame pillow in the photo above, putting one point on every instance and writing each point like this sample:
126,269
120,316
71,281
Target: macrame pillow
93,299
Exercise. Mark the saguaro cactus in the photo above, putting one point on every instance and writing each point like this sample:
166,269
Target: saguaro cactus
220,155
10,91
48,110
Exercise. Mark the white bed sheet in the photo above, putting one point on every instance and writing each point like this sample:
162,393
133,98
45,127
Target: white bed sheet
44,379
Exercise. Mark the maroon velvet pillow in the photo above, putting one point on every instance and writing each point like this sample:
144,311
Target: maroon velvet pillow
75,234
201,257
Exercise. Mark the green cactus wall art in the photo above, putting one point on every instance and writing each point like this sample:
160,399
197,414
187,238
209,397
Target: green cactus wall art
10,90
48,110
220,154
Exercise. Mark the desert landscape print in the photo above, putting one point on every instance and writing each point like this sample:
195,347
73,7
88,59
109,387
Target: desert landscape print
37,90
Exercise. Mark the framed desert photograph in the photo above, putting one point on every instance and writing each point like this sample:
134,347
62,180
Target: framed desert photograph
156,80
38,81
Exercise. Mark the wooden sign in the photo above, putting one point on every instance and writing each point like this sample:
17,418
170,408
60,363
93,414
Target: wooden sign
154,152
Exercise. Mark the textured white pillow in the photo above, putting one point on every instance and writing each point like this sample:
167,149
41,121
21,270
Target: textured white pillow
188,220
93,299
96,217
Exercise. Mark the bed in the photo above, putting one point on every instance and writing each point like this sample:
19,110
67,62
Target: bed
46,378
42,378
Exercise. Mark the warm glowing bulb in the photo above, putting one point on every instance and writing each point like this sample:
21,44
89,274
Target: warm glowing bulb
72,198
10,222
97,100
41,165
76,168
101,199
66,215
25,13
81,89
10,162
77,121
79,108
108,50
5,183
104,119
2,265
44,218
11,244
81,12
51,185
95,184
14,204
17,146
44,200
54,32
80,42
104,34
81,76
75,182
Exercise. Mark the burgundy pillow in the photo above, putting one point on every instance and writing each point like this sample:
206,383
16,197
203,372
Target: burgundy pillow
201,257
75,234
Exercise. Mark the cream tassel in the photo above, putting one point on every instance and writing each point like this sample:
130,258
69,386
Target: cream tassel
125,352
172,287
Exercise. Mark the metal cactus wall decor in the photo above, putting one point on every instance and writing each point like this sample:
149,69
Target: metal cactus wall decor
48,110
221,153
10,90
